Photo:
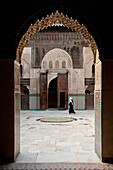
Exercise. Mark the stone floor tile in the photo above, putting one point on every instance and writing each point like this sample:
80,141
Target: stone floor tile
83,157
43,144
88,146
46,149
25,158
46,138
66,149
75,149
56,157
24,149
94,158
87,157
33,149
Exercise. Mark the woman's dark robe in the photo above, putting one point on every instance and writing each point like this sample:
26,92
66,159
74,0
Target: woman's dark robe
71,107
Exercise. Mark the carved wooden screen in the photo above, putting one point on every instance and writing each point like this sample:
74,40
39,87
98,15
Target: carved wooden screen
63,90
43,91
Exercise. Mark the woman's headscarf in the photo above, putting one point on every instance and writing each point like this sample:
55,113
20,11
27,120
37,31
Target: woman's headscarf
70,99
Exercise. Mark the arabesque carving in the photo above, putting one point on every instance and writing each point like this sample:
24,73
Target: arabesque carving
57,18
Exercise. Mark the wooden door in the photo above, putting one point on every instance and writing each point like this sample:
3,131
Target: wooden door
24,102
52,94
62,99
90,101
43,91
63,90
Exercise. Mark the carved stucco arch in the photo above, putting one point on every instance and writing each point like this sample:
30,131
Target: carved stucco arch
57,18
57,54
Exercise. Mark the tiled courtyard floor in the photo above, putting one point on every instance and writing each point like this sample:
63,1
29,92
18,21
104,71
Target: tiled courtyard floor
57,142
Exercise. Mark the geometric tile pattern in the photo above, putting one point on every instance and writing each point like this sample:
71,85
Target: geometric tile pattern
56,166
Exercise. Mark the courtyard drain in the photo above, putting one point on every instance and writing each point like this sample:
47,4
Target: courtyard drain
56,119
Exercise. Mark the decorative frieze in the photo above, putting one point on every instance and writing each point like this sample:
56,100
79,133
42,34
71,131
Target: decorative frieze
44,42
57,36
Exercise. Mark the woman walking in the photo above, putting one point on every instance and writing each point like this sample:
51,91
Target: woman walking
71,103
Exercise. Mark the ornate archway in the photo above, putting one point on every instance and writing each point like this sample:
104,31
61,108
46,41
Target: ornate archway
60,19
56,19
9,144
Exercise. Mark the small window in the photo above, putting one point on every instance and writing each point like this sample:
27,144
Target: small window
57,64
44,64
93,70
50,64
21,70
63,64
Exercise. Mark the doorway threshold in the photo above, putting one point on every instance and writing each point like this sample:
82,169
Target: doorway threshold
56,165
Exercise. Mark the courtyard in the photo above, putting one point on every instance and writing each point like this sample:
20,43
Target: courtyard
57,142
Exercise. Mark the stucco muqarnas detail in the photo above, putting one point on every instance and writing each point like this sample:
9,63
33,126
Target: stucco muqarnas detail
57,18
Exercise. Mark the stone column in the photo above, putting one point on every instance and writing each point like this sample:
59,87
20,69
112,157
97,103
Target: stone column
80,90
33,94
16,109
9,110
107,111
104,109
98,108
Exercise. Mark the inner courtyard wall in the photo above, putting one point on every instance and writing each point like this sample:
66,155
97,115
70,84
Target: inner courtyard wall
26,62
36,50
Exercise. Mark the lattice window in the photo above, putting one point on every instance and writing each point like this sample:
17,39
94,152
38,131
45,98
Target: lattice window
37,57
63,64
44,64
50,64
93,70
57,64
75,53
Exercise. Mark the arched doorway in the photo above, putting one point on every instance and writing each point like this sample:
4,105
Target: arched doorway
57,77
103,142
60,19
52,94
